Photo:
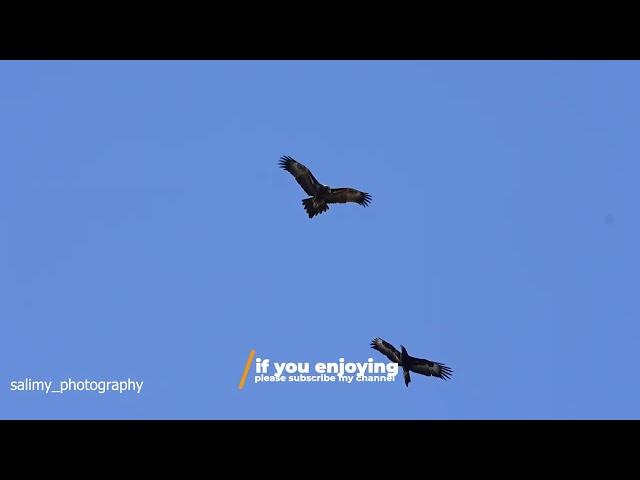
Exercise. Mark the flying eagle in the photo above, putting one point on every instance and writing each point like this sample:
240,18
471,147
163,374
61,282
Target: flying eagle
320,195
409,363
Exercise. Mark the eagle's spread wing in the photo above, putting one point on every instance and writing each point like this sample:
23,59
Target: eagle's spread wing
386,349
344,195
430,369
302,175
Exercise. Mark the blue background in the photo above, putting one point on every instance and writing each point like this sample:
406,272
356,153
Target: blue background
147,232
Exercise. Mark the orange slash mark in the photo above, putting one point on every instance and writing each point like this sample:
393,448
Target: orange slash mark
246,368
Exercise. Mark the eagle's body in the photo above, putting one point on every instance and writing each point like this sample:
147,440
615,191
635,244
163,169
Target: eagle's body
320,196
411,364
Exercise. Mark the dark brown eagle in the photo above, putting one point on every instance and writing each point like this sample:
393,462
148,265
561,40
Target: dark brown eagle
409,363
320,195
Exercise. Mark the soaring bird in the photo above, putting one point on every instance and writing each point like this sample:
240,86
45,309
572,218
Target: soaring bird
409,363
320,195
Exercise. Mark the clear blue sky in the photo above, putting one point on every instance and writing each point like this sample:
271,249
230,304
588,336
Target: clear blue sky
146,231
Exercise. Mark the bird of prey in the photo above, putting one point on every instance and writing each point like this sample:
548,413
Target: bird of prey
320,196
409,363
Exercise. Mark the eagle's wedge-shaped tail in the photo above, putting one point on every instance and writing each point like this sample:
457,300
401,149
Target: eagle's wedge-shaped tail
314,207
407,375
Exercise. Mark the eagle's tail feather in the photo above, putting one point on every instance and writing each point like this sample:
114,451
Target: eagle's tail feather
407,376
314,208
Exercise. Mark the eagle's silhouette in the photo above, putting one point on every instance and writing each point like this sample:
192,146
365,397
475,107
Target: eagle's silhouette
409,363
320,195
